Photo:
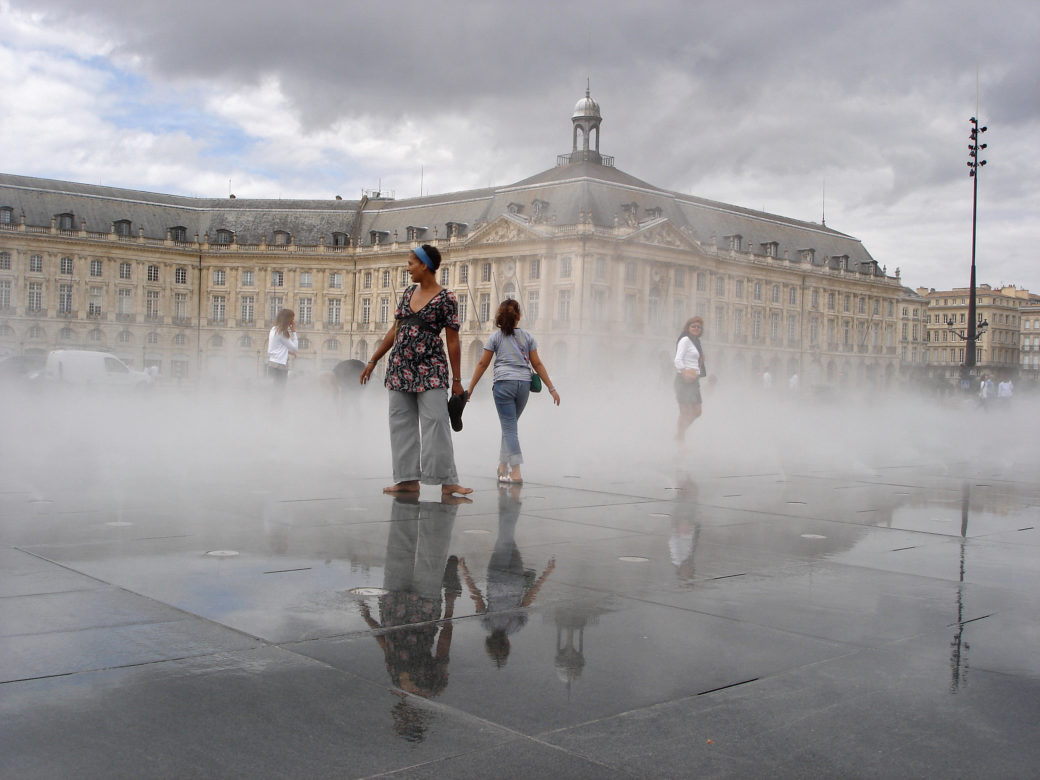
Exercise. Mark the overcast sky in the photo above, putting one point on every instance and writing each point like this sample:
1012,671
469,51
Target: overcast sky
860,108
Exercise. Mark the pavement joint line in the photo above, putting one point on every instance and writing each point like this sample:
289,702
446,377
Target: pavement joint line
727,687
970,620
135,665
151,599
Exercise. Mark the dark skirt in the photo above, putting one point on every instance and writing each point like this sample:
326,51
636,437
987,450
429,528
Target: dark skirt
687,392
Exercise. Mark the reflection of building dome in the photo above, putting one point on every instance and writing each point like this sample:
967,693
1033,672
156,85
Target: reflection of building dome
586,107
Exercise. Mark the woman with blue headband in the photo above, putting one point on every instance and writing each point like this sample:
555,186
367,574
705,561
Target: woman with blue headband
417,379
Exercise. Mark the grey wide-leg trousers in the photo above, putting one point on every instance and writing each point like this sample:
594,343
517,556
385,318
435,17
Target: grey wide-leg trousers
420,438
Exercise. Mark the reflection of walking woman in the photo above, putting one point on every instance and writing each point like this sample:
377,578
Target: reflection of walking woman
689,368
417,378
281,342
516,354
511,588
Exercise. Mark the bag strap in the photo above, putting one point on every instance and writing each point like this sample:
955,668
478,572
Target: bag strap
516,346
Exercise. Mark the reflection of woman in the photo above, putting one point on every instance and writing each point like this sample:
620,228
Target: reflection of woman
516,354
689,368
281,343
682,544
417,378
418,571
510,587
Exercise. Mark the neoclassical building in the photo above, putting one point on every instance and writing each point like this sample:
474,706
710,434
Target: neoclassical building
605,265
1007,345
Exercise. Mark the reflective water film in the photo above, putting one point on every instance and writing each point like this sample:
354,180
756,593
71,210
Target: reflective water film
808,587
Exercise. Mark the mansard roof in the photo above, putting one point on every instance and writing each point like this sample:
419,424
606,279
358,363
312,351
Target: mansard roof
564,195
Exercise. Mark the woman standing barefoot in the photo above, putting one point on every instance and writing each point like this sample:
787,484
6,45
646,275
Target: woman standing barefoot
417,378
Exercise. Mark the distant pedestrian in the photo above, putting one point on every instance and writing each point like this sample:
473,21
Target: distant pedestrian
986,391
1004,392
792,384
689,368
516,356
281,344
767,380
417,379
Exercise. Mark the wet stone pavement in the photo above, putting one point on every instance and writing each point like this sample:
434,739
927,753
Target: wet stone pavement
670,624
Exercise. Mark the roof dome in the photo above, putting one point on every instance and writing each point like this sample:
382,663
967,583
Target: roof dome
586,107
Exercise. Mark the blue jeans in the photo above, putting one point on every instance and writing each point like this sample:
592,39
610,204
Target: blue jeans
510,399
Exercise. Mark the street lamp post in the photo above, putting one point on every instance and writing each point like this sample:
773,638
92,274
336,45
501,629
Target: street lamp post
974,163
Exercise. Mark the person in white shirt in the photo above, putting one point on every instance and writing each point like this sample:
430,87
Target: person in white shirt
689,368
1004,392
281,343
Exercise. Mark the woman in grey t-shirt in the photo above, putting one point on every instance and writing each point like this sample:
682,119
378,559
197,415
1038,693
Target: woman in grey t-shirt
516,356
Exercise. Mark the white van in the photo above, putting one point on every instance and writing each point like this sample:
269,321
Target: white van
85,367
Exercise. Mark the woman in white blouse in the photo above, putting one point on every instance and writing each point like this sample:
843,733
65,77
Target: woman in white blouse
281,342
689,368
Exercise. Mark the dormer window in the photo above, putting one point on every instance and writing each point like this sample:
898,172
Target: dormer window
340,239
225,236
770,248
6,215
281,238
415,233
841,262
457,229
734,242
179,234
66,221
807,255
654,212
515,208
540,209
378,237
122,227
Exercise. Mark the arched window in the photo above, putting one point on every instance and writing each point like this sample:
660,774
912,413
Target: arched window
332,345
225,236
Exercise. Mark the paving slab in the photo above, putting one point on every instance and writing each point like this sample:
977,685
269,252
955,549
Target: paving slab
863,605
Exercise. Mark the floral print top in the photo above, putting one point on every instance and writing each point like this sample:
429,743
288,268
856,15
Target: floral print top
417,362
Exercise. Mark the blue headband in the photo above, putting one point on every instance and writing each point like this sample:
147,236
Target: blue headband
421,254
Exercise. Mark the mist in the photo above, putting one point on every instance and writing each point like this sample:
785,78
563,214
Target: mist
612,434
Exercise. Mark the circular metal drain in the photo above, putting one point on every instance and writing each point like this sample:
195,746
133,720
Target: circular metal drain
368,590
222,553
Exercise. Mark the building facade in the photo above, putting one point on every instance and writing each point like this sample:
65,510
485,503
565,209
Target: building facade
606,267
1002,347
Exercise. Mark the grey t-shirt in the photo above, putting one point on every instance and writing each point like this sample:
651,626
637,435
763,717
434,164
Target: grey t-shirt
511,354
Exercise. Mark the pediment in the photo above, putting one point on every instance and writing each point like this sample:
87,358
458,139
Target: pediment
662,232
504,229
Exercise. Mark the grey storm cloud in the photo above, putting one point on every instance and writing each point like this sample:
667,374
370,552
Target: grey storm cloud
872,98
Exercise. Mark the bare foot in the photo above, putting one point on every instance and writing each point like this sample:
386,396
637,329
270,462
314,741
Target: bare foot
514,477
447,490
411,486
